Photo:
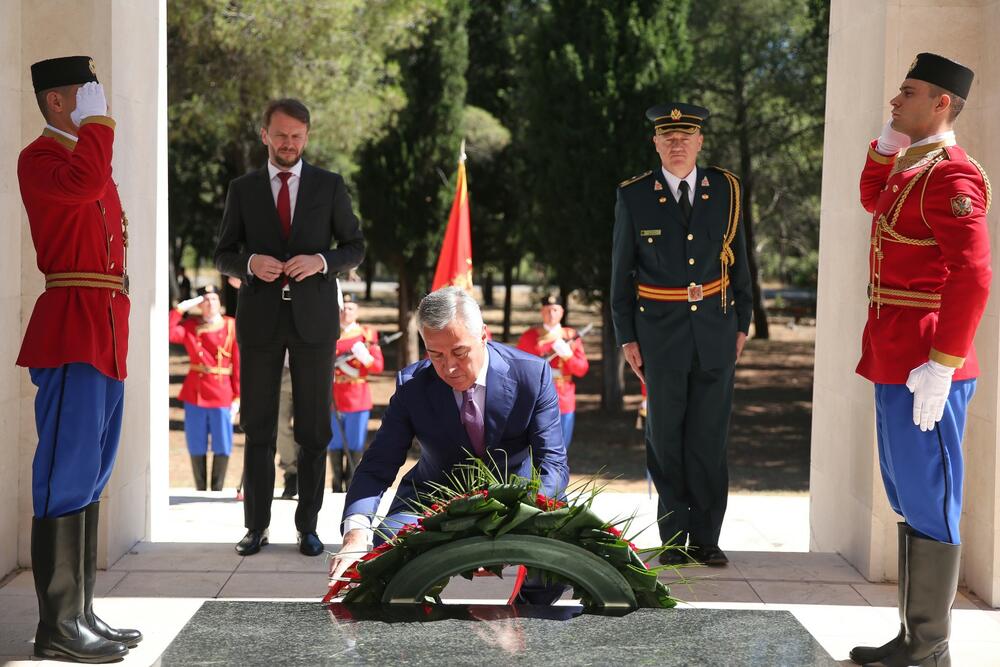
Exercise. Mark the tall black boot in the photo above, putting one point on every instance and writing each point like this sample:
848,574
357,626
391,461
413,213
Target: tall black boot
219,465
57,562
291,485
199,466
337,463
126,636
931,582
353,461
863,655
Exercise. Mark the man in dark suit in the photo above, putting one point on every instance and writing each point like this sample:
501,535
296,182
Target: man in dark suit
469,396
681,305
276,234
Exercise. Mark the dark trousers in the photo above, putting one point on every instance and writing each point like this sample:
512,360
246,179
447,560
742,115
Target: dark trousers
687,429
311,367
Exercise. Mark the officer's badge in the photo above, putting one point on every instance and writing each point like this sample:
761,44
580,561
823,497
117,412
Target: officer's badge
93,67
704,196
675,114
663,200
961,205
657,185
704,182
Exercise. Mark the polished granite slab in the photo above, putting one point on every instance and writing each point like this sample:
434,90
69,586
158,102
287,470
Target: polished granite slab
308,633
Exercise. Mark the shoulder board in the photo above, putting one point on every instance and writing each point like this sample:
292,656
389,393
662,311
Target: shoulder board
568,332
370,335
634,179
724,171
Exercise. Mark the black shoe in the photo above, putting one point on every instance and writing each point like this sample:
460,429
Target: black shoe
710,555
309,544
126,636
252,542
291,486
673,557
57,559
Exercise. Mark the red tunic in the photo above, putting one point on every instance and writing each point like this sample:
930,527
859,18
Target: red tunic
76,226
353,394
214,378
938,246
538,341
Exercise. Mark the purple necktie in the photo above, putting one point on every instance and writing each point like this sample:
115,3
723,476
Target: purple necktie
472,419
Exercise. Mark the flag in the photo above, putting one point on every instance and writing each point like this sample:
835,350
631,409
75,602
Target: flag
454,265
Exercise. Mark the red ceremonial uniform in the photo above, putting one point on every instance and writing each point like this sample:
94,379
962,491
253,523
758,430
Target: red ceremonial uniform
214,378
538,341
77,226
929,261
352,394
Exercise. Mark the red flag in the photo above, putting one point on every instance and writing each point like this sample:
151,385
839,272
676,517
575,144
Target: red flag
454,265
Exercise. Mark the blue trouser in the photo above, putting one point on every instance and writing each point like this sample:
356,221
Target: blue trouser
201,422
78,414
355,429
923,470
566,421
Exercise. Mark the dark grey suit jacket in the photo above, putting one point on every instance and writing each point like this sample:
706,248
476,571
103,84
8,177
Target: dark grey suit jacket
250,225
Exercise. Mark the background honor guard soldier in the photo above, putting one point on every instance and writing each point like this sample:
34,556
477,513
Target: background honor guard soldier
681,305
568,358
929,282
211,390
358,356
74,347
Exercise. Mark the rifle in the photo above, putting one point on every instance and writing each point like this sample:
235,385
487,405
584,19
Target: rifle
383,340
579,334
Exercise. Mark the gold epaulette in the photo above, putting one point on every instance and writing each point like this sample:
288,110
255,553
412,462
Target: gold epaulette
724,171
986,182
630,181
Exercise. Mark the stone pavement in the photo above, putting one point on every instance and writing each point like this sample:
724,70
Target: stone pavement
159,585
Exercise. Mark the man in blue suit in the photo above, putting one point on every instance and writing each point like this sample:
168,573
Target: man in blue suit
469,397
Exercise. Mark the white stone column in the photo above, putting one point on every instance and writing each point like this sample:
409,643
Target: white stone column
871,47
125,39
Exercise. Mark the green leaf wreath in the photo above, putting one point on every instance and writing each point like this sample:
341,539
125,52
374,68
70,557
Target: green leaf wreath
475,503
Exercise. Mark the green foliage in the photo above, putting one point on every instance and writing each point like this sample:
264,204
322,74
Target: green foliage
588,70
766,92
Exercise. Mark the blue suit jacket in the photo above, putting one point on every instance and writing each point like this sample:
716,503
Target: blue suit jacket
522,427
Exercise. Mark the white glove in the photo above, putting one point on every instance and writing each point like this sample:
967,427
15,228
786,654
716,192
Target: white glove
188,304
930,384
361,353
890,141
90,101
234,409
347,369
561,347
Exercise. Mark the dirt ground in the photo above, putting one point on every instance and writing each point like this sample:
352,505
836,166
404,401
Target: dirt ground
769,436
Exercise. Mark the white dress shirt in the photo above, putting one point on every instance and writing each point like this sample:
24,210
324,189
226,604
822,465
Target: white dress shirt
479,397
674,184
293,194
948,136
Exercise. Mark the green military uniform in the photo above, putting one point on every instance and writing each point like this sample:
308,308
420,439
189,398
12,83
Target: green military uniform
680,287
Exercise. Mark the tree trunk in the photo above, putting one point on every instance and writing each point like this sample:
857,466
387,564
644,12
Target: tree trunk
408,345
487,289
369,279
508,297
747,176
613,363
564,301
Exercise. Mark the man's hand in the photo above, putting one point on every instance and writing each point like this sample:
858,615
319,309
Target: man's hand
890,141
361,353
634,359
355,546
930,384
90,101
266,268
187,304
301,267
741,341
234,409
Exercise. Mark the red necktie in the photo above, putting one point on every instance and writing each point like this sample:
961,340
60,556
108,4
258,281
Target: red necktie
285,205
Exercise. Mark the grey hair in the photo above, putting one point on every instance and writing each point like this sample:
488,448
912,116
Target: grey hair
437,310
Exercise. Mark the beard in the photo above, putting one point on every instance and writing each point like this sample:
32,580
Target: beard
282,159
